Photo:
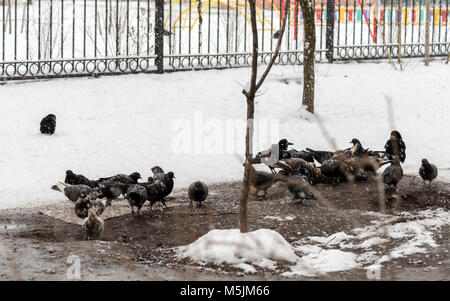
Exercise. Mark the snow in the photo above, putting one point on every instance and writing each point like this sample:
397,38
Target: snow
193,123
260,247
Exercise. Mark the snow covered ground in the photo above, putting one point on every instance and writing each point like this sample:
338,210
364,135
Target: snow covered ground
193,122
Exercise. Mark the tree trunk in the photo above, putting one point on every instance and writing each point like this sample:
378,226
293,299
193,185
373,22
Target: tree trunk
309,48
250,97
427,34
243,215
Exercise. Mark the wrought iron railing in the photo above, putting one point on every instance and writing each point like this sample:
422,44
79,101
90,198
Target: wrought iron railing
55,38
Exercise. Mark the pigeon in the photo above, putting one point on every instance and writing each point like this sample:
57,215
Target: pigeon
93,226
111,190
393,174
269,156
428,171
307,156
84,203
167,182
158,174
48,124
75,179
198,192
261,181
298,166
155,192
320,156
136,195
299,190
395,147
122,178
276,35
73,192
356,150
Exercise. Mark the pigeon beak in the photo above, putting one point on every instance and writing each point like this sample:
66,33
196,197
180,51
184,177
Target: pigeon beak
290,143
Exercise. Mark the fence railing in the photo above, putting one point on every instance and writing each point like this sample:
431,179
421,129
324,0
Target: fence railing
55,38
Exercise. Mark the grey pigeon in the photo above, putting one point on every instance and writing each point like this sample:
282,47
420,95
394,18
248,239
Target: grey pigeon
393,174
136,196
198,192
428,171
299,190
73,192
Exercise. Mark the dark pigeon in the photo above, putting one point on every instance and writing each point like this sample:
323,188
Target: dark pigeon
393,174
320,156
136,196
428,172
83,204
48,124
122,178
395,147
77,179
307,156
198,192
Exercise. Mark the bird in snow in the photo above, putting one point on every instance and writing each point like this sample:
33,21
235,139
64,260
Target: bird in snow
393,174
86,202
48,124
93,226
198,192
73,192
122,178
76,179
136,196
428,172
395,147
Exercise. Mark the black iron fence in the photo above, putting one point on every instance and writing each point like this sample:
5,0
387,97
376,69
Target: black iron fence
54,38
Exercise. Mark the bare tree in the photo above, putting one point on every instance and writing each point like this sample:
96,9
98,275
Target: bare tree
250,95
427,33
309,48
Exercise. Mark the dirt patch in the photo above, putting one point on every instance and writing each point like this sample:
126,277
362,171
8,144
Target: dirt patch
141,246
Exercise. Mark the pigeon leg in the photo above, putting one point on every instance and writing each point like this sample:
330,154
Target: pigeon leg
108,203
164,203
191,203
151,206
132,210
139,211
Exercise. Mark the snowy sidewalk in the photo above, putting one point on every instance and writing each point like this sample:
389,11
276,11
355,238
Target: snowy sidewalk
189,122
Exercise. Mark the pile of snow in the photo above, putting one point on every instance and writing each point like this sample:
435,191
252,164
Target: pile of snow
279,218
193,123
261,248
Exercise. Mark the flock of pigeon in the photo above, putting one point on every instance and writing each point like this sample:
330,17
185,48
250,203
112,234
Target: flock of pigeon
88,194
299,169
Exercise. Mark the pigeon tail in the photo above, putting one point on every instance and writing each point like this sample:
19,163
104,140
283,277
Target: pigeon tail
60,186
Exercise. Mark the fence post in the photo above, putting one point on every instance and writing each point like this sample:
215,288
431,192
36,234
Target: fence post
330,31
159,35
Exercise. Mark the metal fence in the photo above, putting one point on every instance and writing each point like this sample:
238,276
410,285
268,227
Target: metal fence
55,38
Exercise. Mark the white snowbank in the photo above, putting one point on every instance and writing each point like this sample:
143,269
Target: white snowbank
184,122
261,248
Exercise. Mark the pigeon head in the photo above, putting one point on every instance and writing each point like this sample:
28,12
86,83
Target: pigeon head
396,135
171,175
355,141
425,162
51,117
69,172
83,194
156,169
135,176
283,144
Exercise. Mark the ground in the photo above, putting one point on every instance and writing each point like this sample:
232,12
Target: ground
36,246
